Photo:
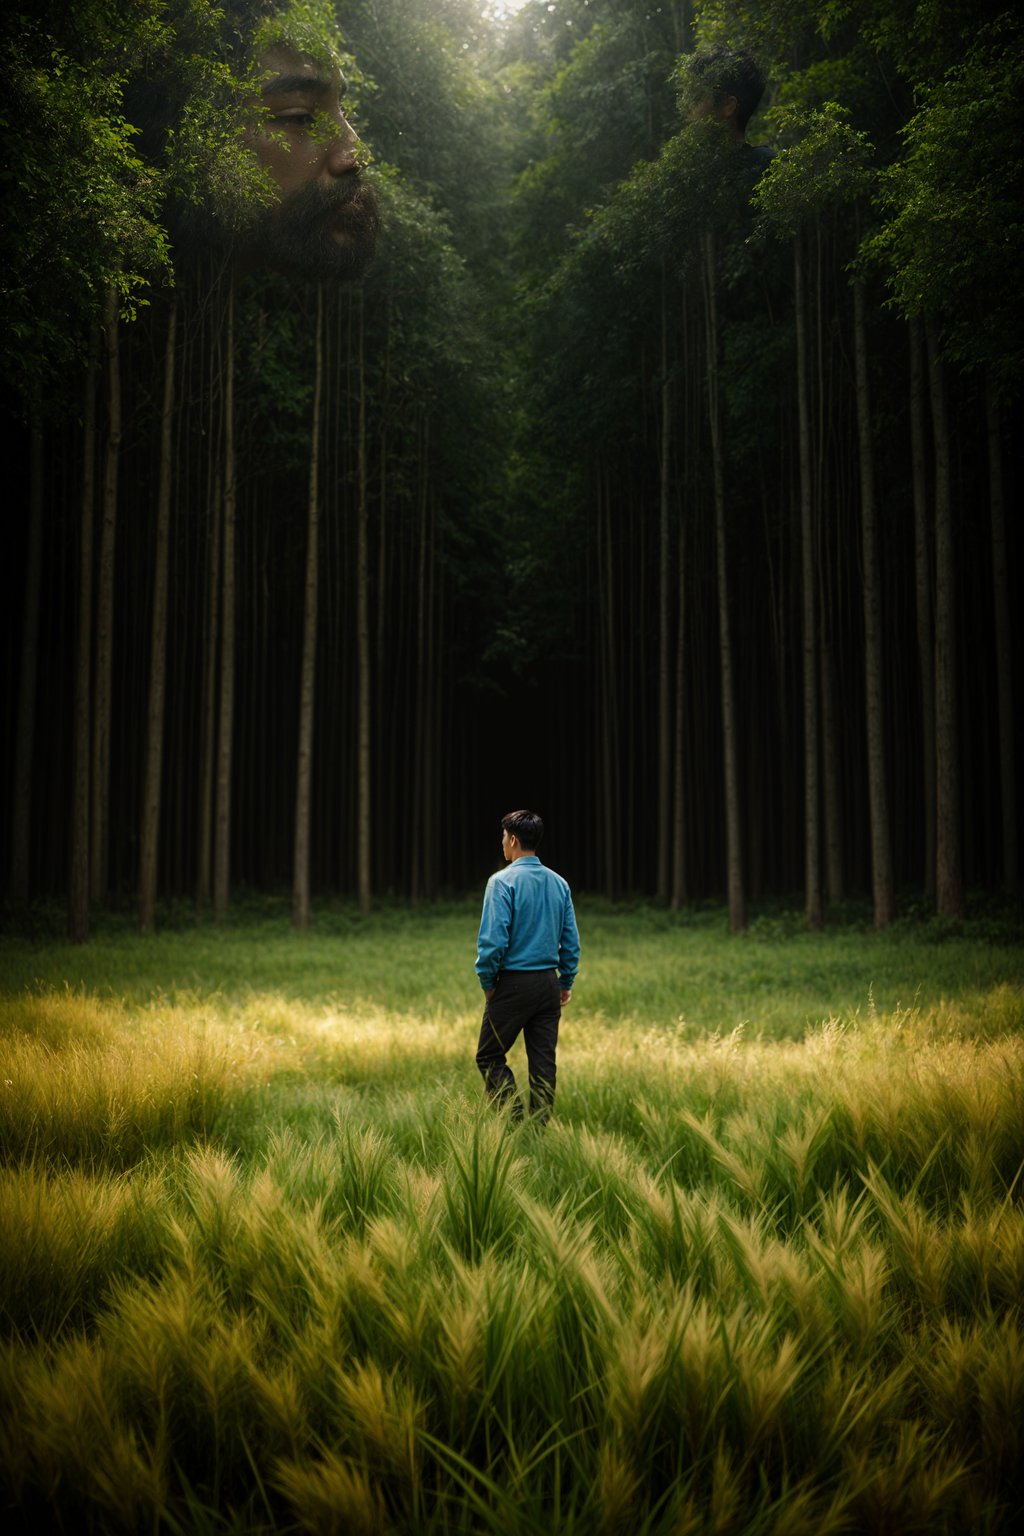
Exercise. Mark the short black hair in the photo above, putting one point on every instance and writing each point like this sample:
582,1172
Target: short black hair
722,72
525,825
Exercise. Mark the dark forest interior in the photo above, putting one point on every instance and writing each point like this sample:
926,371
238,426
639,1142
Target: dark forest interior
678,505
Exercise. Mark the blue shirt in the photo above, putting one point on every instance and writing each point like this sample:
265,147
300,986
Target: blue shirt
527,924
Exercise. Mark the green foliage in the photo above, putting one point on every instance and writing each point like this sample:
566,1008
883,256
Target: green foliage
204,158
953,228
780,35
822,161
275,367
307,26
81,205
604,110
110,112
431,112
924,38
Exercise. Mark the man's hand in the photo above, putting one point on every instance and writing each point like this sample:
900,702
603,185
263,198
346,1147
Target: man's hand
566,997
489,994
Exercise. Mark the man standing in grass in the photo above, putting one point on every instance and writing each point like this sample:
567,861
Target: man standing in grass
528,952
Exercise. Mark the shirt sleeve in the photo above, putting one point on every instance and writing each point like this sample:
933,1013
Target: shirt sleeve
568,946
495,923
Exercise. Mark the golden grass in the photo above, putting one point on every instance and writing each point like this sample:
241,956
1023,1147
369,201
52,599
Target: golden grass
272,1262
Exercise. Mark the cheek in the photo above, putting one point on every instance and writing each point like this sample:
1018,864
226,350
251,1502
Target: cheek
289,164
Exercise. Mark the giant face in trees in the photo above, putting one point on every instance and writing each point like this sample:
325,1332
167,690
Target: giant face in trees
324,222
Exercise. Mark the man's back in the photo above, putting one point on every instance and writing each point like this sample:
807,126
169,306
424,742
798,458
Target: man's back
527,923
528,952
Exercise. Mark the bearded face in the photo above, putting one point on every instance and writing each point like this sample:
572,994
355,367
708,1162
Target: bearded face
320,218
324,224
320,232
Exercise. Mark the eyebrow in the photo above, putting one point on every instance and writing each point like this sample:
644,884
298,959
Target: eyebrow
283,85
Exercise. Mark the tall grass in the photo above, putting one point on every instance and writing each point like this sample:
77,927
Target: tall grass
267,1262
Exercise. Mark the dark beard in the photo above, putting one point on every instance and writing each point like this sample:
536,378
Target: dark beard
296,237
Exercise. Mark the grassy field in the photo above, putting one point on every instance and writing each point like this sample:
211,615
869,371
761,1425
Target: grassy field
266,1263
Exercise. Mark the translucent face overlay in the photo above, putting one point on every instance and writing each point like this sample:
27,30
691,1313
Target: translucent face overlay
304,136
324,222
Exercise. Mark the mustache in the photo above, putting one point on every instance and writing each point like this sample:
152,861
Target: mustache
323,230
316,202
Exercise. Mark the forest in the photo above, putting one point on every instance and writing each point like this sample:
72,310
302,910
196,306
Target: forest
419,409
667,496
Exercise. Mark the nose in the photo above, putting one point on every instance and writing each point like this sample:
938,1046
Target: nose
342,155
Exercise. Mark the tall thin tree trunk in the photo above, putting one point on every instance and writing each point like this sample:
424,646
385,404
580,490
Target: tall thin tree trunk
808,567
99,838
149,833
78,883
883,894
384,533
24,741
1004,643
208,762
304,777
225,723
949,883
733,836
607,712
418,878
664,578
679,893
835,873
682,25
363,639
428,817
923,589
214,495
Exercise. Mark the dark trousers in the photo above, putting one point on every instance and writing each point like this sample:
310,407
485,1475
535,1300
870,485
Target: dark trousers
527,1002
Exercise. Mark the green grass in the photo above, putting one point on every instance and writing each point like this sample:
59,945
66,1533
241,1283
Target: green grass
647,966
267,1263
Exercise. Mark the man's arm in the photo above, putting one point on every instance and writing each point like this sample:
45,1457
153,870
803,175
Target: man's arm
568,950
492,940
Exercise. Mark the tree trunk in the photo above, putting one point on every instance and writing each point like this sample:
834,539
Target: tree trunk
24,739
808,566
949,883
214,499
102,693
149,832
363,640
427,812
78,882
225,723
733,843
664,575
304,777
206,780
1004,644
417,840
832,750
882,891
679,893
607,711
923,588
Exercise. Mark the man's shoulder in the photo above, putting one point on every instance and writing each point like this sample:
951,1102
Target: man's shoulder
760,156
554,878
528,869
